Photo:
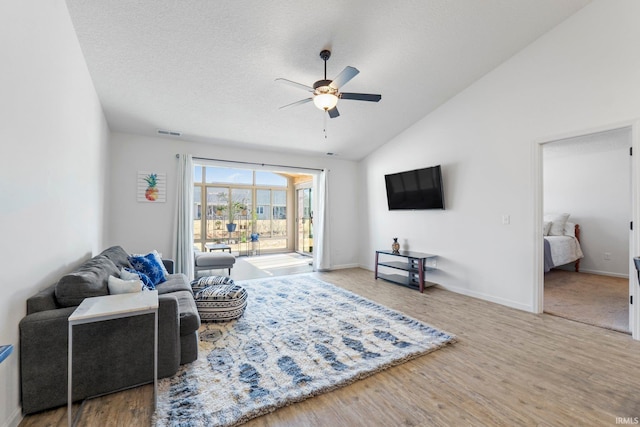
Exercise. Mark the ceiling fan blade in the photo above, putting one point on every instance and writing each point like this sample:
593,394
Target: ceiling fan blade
361,96
347,74
296,84
333,113
293,104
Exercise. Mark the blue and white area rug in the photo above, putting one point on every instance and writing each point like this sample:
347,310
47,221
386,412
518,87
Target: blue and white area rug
299,337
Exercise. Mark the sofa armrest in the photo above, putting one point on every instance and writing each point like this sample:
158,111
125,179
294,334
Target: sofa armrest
43,359
43,300
168,264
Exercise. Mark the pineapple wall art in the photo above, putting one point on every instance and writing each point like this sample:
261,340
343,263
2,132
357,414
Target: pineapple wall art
152,187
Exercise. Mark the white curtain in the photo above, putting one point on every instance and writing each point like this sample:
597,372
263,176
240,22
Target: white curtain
322,258
183,234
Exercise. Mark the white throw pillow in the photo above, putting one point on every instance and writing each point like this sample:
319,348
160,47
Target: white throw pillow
119,286
557,223
546,226
128,275
570,229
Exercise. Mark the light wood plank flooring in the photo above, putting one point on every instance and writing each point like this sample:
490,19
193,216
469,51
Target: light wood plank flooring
508,368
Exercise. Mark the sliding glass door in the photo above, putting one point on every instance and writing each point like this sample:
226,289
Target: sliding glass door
304,221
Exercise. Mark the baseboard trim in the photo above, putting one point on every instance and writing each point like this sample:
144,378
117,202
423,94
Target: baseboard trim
490,298
15,418
478,295
344,266
604,273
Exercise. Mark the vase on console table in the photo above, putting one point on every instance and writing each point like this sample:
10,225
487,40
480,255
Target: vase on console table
395,247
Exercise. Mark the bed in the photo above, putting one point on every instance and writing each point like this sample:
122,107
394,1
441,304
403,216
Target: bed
564,249
561,241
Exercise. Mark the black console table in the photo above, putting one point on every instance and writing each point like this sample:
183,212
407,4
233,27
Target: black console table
413,263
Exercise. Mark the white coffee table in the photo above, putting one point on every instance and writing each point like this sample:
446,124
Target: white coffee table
98,309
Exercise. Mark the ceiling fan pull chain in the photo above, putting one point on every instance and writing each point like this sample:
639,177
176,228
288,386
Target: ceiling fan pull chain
325,124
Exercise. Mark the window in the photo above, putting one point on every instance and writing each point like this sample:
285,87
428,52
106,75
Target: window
256,201
270,179
228,175
279,212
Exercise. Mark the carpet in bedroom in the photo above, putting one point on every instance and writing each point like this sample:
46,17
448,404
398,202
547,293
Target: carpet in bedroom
588,298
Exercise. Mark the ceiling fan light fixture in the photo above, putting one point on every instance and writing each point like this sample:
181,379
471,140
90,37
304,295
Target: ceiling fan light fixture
325,97
325,101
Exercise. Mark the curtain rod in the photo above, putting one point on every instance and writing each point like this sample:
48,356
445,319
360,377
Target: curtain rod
254,163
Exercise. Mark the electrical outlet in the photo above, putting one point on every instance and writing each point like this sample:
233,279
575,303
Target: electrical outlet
607,256
506,219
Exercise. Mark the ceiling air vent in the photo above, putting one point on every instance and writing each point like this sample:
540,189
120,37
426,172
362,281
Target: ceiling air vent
169,132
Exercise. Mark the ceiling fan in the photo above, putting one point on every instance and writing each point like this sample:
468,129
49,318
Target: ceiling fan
327,92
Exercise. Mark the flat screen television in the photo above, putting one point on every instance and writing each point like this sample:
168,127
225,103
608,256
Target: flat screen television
415,189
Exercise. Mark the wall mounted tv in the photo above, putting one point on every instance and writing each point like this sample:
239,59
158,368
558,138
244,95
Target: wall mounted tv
415,189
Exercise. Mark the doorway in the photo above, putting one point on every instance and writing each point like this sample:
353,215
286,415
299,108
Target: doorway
597,187
304,220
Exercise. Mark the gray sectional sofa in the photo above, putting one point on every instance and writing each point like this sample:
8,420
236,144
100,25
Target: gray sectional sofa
109,355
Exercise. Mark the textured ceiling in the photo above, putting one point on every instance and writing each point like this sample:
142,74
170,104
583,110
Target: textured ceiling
207,68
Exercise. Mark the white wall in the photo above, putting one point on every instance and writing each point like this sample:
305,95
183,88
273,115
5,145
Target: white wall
52,166
140,227
590,178
581,75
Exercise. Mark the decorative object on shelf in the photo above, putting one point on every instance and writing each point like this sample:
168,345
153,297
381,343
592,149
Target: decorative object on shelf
152,187
254,237
231,227
395,247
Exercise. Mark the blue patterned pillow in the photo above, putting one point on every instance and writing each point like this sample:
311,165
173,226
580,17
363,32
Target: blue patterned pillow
149,265
158,257
145,279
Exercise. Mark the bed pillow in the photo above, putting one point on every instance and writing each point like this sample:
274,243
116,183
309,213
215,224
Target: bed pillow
546,226
570,229
557,223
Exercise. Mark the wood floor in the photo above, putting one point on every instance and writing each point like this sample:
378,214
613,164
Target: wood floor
507,368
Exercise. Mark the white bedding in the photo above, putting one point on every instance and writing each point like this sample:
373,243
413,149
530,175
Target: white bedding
564,249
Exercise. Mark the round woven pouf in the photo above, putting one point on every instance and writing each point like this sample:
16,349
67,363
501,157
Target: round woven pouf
219,300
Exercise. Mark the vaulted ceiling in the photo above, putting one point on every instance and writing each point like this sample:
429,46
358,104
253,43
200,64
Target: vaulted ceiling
207,68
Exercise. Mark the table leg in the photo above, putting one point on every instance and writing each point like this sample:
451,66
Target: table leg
69,379
155,362
376,268
421,274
